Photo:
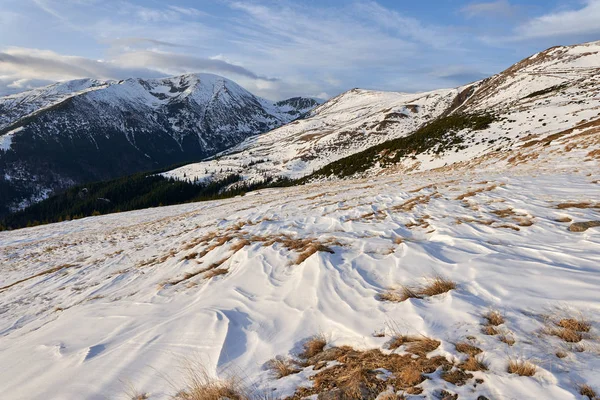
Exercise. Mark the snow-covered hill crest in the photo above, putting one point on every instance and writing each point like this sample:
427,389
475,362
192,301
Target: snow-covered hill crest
540,96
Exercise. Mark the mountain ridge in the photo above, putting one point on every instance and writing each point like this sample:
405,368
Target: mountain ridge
86,130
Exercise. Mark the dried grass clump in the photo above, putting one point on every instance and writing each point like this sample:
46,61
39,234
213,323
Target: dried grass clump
456,376
282,366
578,325
434,286
355,375
494,318
506,338
201,386
216,272
474,364
568,335
521,367
313,346
586,390
561,354
489,330
466,348
437,285
423,346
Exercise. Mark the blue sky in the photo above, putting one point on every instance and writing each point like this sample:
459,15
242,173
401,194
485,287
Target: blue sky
283,48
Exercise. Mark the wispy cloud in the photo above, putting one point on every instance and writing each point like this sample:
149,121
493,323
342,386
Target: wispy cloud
565,23
490,9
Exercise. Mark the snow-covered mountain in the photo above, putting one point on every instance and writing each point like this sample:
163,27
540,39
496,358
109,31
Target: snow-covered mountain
86,130
466,273
540,96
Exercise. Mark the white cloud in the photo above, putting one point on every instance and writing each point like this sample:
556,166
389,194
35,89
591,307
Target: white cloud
492,9
584,21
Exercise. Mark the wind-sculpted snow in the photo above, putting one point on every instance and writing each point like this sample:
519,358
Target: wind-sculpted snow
93,306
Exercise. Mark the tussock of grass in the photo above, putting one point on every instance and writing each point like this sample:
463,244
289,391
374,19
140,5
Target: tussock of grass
521,367
437,285
561,354
494,318
474,364
216,272
466,348
489,330
586,390
578,325
506,338
568,335
313,346
355,374
201,386
434,286
456,377
282,366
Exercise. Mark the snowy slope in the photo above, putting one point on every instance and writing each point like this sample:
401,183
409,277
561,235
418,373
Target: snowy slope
88,130
93,307
540,96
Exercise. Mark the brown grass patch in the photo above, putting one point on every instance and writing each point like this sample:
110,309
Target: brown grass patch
586,390
563,219
561,354
476,191
216,272
578,325
489,330
466,348
521,367
313,346
45,272
568,335
282,366
456,377
355,377
201,386
506,338
508,212
584,204
474,364
435,286
494,318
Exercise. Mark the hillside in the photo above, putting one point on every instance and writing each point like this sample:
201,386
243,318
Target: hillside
541,96
88,130
95,307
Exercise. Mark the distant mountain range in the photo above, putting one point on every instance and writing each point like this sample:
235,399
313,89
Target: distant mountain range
366,132
88,130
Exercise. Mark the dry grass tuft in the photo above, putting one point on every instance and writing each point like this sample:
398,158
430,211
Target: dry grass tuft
561,354
568,335
216,272
586,390
466,348
578,325
456,376
506,338
474,364
563,219
400,340
494,318
282,366
423,346
521,367
201,386
489,330
355,375
313,346
434,286
437,285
